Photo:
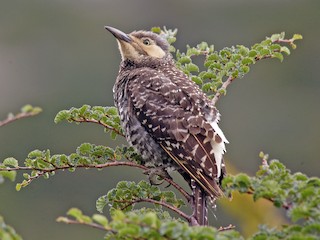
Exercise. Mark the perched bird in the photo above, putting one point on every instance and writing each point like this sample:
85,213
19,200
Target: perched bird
167,118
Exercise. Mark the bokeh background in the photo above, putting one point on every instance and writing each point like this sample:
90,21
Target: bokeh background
56,54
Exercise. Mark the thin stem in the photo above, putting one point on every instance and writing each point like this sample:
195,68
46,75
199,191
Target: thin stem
286,206
10,119
98,122
223,87
94,225
176,210
221,229
230,79
98,166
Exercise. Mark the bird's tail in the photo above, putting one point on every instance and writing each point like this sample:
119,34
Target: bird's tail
200,205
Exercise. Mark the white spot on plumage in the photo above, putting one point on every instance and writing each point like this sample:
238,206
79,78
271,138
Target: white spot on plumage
206,140
193,152
218,131
155,128
175,145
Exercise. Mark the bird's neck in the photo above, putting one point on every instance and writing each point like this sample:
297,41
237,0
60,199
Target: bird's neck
154,63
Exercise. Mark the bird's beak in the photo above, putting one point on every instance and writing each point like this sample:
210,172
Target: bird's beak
119,34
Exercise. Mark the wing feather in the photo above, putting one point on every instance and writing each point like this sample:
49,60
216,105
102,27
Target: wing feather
175,118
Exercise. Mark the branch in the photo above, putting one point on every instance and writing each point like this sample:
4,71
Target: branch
43,171
222,89
176,210
286,206
94,225
221,229
272,47
26,111
98,122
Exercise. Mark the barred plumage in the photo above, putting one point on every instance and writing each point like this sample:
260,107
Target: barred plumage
167,118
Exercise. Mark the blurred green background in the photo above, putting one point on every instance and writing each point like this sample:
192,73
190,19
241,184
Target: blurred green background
56,54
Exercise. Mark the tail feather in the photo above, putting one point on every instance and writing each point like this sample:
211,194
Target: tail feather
200,211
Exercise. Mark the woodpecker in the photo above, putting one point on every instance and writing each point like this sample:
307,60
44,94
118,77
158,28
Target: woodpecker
167,118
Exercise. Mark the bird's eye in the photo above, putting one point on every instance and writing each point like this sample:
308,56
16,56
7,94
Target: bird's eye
146,42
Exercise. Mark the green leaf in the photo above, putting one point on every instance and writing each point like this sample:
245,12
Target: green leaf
244,51
62,115
197,80
275,47
7,232
18,187
113,135
74,212
112,111
278,55
10,162
202,46
294,46
243,181
27,108
150,219
222,91
85,148
247,61
193,52
264,52
275,37
79,216
229,65
297,37
285,50
171,40
102,220
245,69
206,87
185,60
63,220
101,203
156,30
266,42
213,57
235,74
191,67
252,53
11,175
208,75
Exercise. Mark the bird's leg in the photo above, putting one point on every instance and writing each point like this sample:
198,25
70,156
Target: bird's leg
156,175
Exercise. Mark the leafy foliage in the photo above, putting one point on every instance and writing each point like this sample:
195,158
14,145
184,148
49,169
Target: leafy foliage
146,225
229,63
298,194
105,116
127,194
26,111
7,232
43,164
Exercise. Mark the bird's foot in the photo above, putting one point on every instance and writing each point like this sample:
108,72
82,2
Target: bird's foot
157,175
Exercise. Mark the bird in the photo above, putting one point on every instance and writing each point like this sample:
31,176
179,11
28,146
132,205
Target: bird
167,118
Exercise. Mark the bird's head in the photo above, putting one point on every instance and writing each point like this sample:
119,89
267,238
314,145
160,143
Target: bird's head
140,45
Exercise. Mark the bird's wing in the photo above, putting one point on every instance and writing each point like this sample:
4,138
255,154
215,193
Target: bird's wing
174,118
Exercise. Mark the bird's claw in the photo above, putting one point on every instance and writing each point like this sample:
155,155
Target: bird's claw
157,175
